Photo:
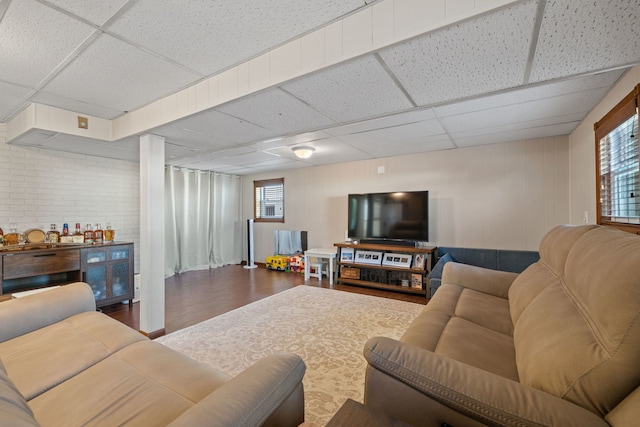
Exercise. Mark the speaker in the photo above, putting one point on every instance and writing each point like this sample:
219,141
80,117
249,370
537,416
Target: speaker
250,249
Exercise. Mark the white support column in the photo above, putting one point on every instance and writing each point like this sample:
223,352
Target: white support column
152,235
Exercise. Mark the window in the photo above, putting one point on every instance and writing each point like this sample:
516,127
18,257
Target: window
617,166
269,200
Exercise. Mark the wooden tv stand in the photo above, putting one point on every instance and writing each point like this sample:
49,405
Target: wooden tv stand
385,274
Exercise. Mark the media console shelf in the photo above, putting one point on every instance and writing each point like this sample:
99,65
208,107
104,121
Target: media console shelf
385,266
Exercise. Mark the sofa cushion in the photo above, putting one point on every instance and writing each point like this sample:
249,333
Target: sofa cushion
469,326
13,407
579,338
145,383
46,357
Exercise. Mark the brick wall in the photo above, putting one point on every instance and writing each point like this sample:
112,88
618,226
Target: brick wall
42,187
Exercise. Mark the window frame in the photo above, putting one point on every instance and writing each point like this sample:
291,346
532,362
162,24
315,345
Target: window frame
267,183
625,109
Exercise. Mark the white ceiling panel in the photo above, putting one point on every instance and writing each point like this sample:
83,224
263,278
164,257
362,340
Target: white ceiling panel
532,125
34,40
116,75
209,36
94,11
383,122
579,37
75,105
219,129
481,55
277,111
516,135
532,93
580,102
12,98
377,145
355,90
81,145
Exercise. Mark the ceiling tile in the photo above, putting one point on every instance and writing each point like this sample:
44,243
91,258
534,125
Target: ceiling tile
382,122
532,93
95,11
217,129
88,146
516,135
355,90
377,145
531,125
480,55
13,97
580,102
581,37
209,36
35,39
74,105
277,111
128,78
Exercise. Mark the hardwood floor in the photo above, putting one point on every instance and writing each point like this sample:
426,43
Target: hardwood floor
200,295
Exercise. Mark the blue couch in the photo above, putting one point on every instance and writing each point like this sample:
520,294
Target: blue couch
495,259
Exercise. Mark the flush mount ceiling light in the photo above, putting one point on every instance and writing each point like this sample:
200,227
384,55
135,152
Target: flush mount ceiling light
303,152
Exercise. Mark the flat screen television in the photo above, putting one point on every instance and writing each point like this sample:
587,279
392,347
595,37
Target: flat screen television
389,216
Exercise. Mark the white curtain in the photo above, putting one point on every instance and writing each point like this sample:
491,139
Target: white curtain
203,224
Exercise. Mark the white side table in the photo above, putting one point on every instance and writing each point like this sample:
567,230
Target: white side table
322,253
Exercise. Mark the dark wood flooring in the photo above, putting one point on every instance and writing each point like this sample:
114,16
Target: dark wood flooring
200,295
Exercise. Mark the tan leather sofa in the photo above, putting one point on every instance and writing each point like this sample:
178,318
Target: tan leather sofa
64,364
556,345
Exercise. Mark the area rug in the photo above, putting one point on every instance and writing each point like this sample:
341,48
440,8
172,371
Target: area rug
327,328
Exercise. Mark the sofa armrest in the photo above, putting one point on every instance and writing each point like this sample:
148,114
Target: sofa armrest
20,316
254,397
477,394
492,282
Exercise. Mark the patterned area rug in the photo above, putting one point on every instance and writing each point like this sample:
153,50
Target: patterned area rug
327,328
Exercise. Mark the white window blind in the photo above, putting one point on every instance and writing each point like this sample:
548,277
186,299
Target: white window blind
269,200
618,164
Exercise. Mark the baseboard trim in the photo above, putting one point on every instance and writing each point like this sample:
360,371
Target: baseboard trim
155,334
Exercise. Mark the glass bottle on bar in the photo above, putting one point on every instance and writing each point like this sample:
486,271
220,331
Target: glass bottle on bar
53,235
109,234
78,235
88,234
65,229
98,235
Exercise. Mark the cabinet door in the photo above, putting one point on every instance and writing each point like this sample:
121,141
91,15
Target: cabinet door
120,284
96,277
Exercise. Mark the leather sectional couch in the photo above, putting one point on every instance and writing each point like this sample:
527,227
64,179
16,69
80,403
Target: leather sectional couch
556,345
64,364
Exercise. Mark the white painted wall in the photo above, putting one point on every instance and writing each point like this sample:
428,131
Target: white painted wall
582,151
504,196
43,187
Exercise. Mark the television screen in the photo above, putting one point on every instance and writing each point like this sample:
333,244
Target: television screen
389,216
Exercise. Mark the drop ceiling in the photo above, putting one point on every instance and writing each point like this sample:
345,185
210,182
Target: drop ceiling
527,70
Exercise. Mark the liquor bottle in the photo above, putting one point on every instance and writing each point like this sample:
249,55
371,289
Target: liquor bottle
65,229
98,235
78,236
109,234
53,236
88,234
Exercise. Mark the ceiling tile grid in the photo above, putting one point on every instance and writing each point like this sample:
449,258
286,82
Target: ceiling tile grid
118,76
13,97
94,11
354,90
580,37
34,40
197,33
481,55
277,111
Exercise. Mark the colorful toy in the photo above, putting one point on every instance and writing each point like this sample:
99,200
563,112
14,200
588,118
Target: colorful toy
278,262
296,264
